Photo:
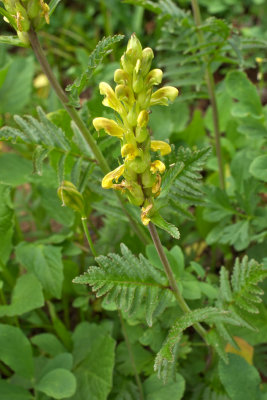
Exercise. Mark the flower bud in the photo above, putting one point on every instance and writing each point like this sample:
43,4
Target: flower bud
147,57
107,181
134,47
110,127
121,77
71,197
154,78
139,164
141,134
143,118
164,95
148,180
127,63
138,81
163,147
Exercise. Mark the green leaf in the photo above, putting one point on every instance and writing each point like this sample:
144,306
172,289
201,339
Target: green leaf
52,6
6,223
45,262
58,384
48,343
15,93
12,40
16,351
12,392
14,169
181,184
242,89
128,281
166,354
166,226
258,168
240,380
94,355
103,48
156,390
26,296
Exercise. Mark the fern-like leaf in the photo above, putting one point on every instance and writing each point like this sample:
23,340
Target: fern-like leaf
165,357
240,295
103,48
181,185
128,281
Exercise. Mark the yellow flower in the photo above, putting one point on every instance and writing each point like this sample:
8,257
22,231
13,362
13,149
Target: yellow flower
107,181
163,147
110,127
144,214
154,77
164,95
157,166
110,100
129,151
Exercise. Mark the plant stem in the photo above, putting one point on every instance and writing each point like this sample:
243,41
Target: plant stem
38,51
211,90
171,278
88,237
129,347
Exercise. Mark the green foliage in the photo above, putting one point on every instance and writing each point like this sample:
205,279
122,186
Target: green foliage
181,185
103,48
128,281
240,379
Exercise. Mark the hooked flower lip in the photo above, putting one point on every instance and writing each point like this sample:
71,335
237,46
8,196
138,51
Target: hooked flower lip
110,100
164,95
163,147
110,126
107,181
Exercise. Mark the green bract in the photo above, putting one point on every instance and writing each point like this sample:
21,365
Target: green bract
132,99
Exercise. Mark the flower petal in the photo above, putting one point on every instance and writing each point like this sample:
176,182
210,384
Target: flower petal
107,181
110,100
164,95
157,166
163,147
110,127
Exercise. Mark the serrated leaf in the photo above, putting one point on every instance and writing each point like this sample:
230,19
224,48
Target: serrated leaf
128,281
159,221
103,48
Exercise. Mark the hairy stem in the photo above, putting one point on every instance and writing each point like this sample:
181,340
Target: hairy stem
171,278
88,237
211,90
129,347
38,51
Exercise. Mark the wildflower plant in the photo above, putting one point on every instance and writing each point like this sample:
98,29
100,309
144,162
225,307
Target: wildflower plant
139,178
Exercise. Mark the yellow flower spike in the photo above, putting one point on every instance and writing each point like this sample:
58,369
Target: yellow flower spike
110,100
134,46
163,147
109,126
144,214
157,166
129,151
164,95
107,181
154,77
